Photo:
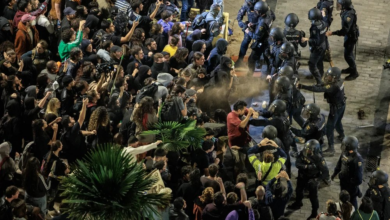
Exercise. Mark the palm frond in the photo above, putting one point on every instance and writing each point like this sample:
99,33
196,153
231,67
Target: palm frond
107,185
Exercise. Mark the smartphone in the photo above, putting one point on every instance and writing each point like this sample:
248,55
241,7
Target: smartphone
137,18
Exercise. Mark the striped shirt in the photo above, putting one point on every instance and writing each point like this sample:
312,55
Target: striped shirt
124,6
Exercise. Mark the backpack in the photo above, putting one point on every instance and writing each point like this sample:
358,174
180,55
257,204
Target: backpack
27,154
99,38
170,111
149,90
199,21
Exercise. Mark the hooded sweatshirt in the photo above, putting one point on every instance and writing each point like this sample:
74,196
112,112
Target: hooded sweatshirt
163,80
158,68
196,35
13,126
18,16
216,53
23,41
196,47
5,35
142,75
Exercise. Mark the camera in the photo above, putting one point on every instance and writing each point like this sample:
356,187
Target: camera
104,68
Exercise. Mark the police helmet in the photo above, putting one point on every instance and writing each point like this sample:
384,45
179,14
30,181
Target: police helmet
215,28
332,74
286,51
379,177
277,107
345,3
315,14
250,3
287,71
311,110
283,84
276,34
291,20
350,143
310,148
261,8
270,132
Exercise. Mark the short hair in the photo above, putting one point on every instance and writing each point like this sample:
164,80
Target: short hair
242,177
66,35
74,53
219,199
231,198
156,28
213,170
178,203
157,56
135,4
44,44
166,14
239,105
331,207
229,186
10,191
22,5
136,49
366,205
119,82
198,55
186,170
75,23
105,24
159,152
222,141
149,41
207,145
51,64
174,40
159,165
80,85
106,44
268,157
344,196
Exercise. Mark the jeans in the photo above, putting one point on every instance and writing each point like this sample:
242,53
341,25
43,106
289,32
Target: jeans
334,122
185,9
244,45
316,64
348,54
38,202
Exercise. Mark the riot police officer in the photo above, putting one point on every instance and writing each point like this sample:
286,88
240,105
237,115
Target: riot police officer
317,43
326,6
350,168
276,39
293,35
350,31
379,192
312,169
260,35
334,94
314,124
298,100
287,55
277,116
248,10
284,92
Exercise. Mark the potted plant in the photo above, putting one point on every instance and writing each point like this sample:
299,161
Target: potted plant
107,185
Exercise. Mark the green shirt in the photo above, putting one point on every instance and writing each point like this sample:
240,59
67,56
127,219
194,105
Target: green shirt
65,48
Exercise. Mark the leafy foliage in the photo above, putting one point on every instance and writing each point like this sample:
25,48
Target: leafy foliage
177,136
107,185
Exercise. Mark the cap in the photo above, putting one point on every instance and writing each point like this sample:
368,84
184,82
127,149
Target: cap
4,24
69,11
190,92
27,17
115,48
67,80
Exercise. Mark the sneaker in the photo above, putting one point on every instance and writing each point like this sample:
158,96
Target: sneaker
351,77
295,206
328,152
346,71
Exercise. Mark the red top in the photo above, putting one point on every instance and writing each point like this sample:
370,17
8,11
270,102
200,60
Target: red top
237,135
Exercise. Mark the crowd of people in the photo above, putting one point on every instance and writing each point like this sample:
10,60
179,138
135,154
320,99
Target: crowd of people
76,74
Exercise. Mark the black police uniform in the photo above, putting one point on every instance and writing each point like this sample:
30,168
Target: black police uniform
310,171
312,129
350,31
298,100
327,6
350,170
260,44
253,19
295,37
334,94
317,43
381,200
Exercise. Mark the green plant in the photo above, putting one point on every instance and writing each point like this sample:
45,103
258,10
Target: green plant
177,136
107,185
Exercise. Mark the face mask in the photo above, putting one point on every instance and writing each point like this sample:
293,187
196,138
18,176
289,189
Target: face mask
33,23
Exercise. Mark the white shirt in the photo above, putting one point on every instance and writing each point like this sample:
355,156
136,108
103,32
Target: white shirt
139,150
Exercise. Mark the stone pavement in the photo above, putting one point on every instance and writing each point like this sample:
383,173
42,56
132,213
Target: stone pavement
368,92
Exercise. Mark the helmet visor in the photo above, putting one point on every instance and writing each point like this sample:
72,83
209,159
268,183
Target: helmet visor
307,152
328,78
272,108
283,55
305,113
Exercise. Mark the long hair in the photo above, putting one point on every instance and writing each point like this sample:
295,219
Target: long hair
37,127
181,54
345,205
176,29
207,196
31,178
51,107
54,147
98,118
9,84
136,39
177,89
145,107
